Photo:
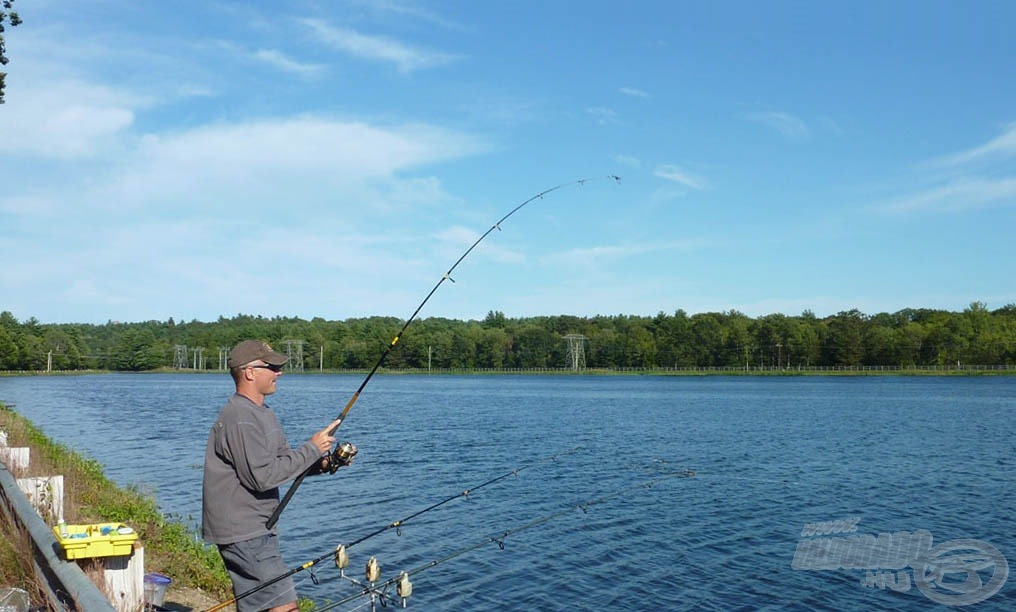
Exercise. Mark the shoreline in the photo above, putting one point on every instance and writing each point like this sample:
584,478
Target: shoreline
171,548
760,371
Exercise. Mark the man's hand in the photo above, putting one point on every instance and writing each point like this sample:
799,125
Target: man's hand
340,457
323,439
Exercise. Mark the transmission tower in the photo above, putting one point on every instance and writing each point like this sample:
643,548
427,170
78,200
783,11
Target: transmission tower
576,351
223,357
180,356
199,358
294,350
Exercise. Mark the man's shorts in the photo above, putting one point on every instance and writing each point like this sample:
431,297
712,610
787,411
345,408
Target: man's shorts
252,563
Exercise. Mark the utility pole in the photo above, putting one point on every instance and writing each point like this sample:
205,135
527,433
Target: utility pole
576,351
180,356
294,350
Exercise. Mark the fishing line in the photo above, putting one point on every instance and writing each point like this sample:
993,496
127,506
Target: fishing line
464,494
405,587
388,349
397,525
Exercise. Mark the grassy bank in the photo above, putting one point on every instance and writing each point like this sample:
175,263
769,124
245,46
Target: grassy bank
171,548
15,567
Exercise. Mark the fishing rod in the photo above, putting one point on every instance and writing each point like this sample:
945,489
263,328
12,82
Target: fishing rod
340,550
404,588
342,453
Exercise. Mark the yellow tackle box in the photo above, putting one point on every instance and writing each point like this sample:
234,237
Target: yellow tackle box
98,540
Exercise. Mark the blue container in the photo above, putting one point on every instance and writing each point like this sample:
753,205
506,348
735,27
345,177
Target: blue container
155,589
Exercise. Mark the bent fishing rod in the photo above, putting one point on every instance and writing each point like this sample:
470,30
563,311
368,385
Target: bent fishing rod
396,525
404,587
391,345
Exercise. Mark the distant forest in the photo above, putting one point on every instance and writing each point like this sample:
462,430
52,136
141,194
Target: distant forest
910,337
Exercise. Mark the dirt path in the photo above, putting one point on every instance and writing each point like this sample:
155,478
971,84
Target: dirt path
187,599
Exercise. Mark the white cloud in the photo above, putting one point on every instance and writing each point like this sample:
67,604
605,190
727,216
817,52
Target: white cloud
603,116
631,91
64,119
831,126
280,61
455,240
378,48
499,108
261,161
784,123
1002,145
628,160
960,195
190,90
597,255
974,179
680,175
283,182
405,9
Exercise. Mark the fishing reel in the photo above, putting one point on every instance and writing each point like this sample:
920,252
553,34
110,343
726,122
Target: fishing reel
340,457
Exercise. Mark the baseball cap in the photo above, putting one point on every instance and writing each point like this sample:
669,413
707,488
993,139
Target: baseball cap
252,350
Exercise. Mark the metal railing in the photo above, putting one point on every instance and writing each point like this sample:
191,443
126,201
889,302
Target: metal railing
63,583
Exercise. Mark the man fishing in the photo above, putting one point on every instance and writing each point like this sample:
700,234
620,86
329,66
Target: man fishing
246,460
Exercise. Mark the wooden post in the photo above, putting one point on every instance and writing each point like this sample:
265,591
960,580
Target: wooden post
16,457
45,493
125,579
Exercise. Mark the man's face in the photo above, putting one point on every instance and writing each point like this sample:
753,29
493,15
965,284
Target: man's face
265,375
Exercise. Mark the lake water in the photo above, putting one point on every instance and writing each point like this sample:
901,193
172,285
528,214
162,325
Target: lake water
900,459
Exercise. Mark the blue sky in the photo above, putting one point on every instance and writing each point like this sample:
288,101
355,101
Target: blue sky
333,159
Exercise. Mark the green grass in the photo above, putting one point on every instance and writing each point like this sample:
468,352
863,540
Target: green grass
171,548
15,567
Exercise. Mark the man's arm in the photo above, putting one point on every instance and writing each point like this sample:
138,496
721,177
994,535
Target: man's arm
262,457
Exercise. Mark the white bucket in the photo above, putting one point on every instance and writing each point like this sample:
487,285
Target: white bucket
155,589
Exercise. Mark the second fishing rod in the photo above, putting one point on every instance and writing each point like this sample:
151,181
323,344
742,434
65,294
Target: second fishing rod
343,453
342,549
379,590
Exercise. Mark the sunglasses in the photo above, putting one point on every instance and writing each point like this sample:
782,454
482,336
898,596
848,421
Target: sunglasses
270,366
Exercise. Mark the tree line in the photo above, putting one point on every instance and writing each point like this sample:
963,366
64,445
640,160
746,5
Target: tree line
909,337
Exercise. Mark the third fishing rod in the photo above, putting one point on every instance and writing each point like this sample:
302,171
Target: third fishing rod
396,525
391,345
405,587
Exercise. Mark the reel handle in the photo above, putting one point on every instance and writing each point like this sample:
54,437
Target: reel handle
341,456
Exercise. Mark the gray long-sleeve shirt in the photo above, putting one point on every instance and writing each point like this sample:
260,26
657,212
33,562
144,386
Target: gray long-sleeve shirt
246,460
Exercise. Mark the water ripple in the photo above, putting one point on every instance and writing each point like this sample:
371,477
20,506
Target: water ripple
771,456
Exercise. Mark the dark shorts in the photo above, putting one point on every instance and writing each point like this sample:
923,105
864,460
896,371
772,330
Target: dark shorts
252,563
